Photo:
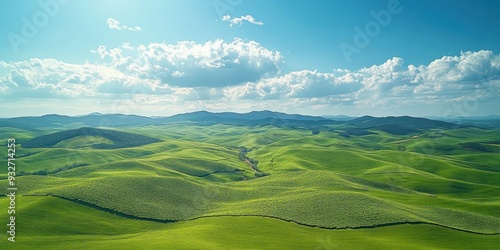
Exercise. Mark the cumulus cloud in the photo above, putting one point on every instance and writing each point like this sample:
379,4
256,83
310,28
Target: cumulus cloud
449,74
445,79
188,64
304,84
222,74
46,78
472,75
240,20
392,80
116,25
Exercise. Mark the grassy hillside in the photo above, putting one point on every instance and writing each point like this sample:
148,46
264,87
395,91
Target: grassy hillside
94,229
377,189
83,142
89,137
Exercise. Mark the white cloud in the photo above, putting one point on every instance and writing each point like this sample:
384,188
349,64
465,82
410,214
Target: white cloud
444,79
304,84
469,75
51,78
116,25
245,75
127,46
188,64
240,20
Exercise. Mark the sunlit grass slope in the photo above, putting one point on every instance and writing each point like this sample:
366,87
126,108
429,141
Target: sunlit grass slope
44,225
362,189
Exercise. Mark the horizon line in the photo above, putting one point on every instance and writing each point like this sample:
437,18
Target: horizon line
234,112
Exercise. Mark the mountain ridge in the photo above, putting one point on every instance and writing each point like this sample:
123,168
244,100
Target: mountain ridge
253,118
405,121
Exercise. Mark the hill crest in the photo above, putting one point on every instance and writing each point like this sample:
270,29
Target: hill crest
402,121
253,118
119,139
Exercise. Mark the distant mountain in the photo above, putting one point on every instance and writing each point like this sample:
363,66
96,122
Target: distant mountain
254,115
254,118
490,121
19,125
391,124
117,120
41,121
395,129
403,121
339,117
91,120
458,118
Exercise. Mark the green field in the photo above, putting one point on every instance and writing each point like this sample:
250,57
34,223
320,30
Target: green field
432,189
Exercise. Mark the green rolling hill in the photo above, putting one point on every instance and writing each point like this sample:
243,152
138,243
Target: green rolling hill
192,189
93,137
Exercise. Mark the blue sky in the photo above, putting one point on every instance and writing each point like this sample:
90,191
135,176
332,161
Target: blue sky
384,57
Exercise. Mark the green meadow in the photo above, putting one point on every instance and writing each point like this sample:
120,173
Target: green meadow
257,187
